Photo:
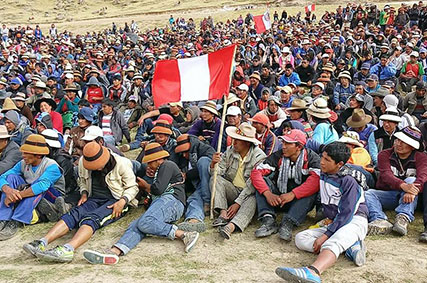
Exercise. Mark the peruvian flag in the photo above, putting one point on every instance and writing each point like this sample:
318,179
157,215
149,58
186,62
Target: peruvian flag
262,23
205,77
310,8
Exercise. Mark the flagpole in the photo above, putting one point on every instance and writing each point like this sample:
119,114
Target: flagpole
221,132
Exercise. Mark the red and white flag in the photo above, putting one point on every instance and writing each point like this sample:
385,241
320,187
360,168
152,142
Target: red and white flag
193,79
310,8
262,23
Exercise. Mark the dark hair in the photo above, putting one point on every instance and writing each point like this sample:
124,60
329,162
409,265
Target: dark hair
338,151
109,102
84,103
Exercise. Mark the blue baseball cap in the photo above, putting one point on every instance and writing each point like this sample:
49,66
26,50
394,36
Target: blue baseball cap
16,81
87,114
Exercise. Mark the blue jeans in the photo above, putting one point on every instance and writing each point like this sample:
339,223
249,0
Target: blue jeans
377,200
202,194
110,140
295,211
145,128
155,221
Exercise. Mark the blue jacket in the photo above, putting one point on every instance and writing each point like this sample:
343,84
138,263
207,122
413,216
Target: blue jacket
293,78
384,73
341,94
324,133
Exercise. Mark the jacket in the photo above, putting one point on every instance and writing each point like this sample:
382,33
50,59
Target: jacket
197,150
410,102
65,161
229,164
293,78
384,73
120,180
118,126
209,131
9,156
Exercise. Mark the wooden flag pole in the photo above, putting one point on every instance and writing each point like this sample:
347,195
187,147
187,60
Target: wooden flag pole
221,132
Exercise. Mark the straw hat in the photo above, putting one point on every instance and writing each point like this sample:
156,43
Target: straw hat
71,87
8,104
358,119
3,132
35,144
298,104
319,108
211,107
351,137
95,156
183,143
162,127
40,84
244,132
232,98
153,152
52,138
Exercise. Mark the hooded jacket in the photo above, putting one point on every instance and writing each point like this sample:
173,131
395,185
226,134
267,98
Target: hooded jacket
9,156
197,150
118,125
195,114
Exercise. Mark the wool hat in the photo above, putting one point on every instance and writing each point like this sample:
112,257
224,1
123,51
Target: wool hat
319,108
183,143
234,111
87,114
154,151
297,104
19,96
4,133
137,76
358,119
260,118
211,107
411,136
8,104
244,132
92,132
294,136
13,117
95,156
162,127
351,137
391,114
52,138
35,144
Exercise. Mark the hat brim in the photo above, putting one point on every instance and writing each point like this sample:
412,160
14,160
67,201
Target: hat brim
392,118
183,147
155,156
53,143
359,124
350,141
401,136
213,111
285,139
296,108
49,101
321,115
232,132
161,130
33,149
99,162
88,138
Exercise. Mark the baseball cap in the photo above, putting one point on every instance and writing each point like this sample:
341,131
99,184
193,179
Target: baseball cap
260,118
372,77
234,111
294,136
87,113
243,87
366,66
92,133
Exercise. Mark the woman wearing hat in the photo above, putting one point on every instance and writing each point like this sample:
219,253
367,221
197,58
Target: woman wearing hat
48,105
297,113
207,128
324,132
68,106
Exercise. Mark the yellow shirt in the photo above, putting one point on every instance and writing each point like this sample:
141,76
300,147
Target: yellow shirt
239,180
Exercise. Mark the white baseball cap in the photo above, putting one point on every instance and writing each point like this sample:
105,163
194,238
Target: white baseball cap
234,111
243,87
92,133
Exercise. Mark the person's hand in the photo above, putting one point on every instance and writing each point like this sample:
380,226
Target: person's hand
318,243
12,195
82,200
66,97
247,116
408,198
150,172
410,188
216,157
338,107
184,175
272,199
232,210
201,138
141,121
117,208
143,144
285,198
424,115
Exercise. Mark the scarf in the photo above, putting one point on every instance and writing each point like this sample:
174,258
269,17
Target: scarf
288,171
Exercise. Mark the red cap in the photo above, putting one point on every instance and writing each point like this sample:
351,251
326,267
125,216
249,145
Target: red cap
260,118
294,136
164,117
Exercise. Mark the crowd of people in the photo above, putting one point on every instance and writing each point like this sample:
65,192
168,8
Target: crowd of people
327,114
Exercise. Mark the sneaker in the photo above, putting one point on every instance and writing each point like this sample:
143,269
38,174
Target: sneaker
190,239
105,257
357,253
47,208
9,230
125,148
423,236
192,226
285,230
34,247
401,224
61,206
268,227
58,254
301,275
379,227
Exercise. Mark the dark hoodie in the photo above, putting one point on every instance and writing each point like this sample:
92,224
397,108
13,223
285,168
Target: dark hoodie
197,150
195,114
